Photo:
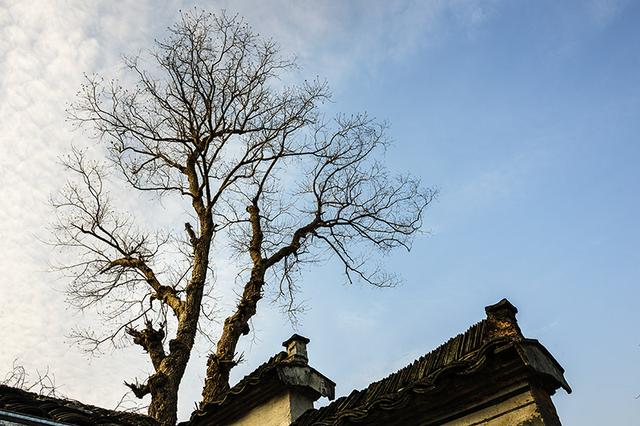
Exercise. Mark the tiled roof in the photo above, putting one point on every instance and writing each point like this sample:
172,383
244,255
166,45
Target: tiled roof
255,377
285,370
65,411
462,352
259,380
435,361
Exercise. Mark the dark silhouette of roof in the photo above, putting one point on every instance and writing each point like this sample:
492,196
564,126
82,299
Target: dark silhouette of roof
255,378
25,403
460,354
267,380
471,361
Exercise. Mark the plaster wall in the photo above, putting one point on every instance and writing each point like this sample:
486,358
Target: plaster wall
299,404
519,410
280,410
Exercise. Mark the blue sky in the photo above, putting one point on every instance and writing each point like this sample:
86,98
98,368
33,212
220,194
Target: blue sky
529,126
525,115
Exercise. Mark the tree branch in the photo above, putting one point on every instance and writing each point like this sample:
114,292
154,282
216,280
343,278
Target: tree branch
166,294
150,340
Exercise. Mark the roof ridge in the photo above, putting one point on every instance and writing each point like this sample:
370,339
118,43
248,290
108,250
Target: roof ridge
440,348
456,348
59,408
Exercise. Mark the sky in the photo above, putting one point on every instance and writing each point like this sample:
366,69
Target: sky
525,116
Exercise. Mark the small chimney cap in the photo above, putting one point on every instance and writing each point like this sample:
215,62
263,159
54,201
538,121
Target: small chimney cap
295,338
502,309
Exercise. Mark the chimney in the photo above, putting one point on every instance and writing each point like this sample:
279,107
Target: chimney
502,320
503,310
297,348
275,394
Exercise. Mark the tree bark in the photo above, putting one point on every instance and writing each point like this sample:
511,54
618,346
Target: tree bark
164,399
164,384
221,362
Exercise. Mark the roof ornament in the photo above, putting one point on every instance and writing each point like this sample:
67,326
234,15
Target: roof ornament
502,320
297,348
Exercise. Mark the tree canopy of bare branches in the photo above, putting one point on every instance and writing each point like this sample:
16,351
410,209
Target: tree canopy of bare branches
268,180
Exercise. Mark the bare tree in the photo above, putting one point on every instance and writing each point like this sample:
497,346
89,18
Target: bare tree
270,182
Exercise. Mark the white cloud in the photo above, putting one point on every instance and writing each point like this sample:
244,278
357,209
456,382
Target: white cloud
342,40
45,48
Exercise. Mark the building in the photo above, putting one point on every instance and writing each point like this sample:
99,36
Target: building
489,375
276,393
18,407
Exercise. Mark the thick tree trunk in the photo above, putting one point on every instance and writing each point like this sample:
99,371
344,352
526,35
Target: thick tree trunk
164,384
216,384
164,399
221,362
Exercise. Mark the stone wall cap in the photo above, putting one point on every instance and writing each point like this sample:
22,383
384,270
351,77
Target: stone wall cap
501,309
295,338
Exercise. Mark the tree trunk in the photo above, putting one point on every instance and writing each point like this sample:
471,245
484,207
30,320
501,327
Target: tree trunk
163,385
220,363
216,384
164,399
